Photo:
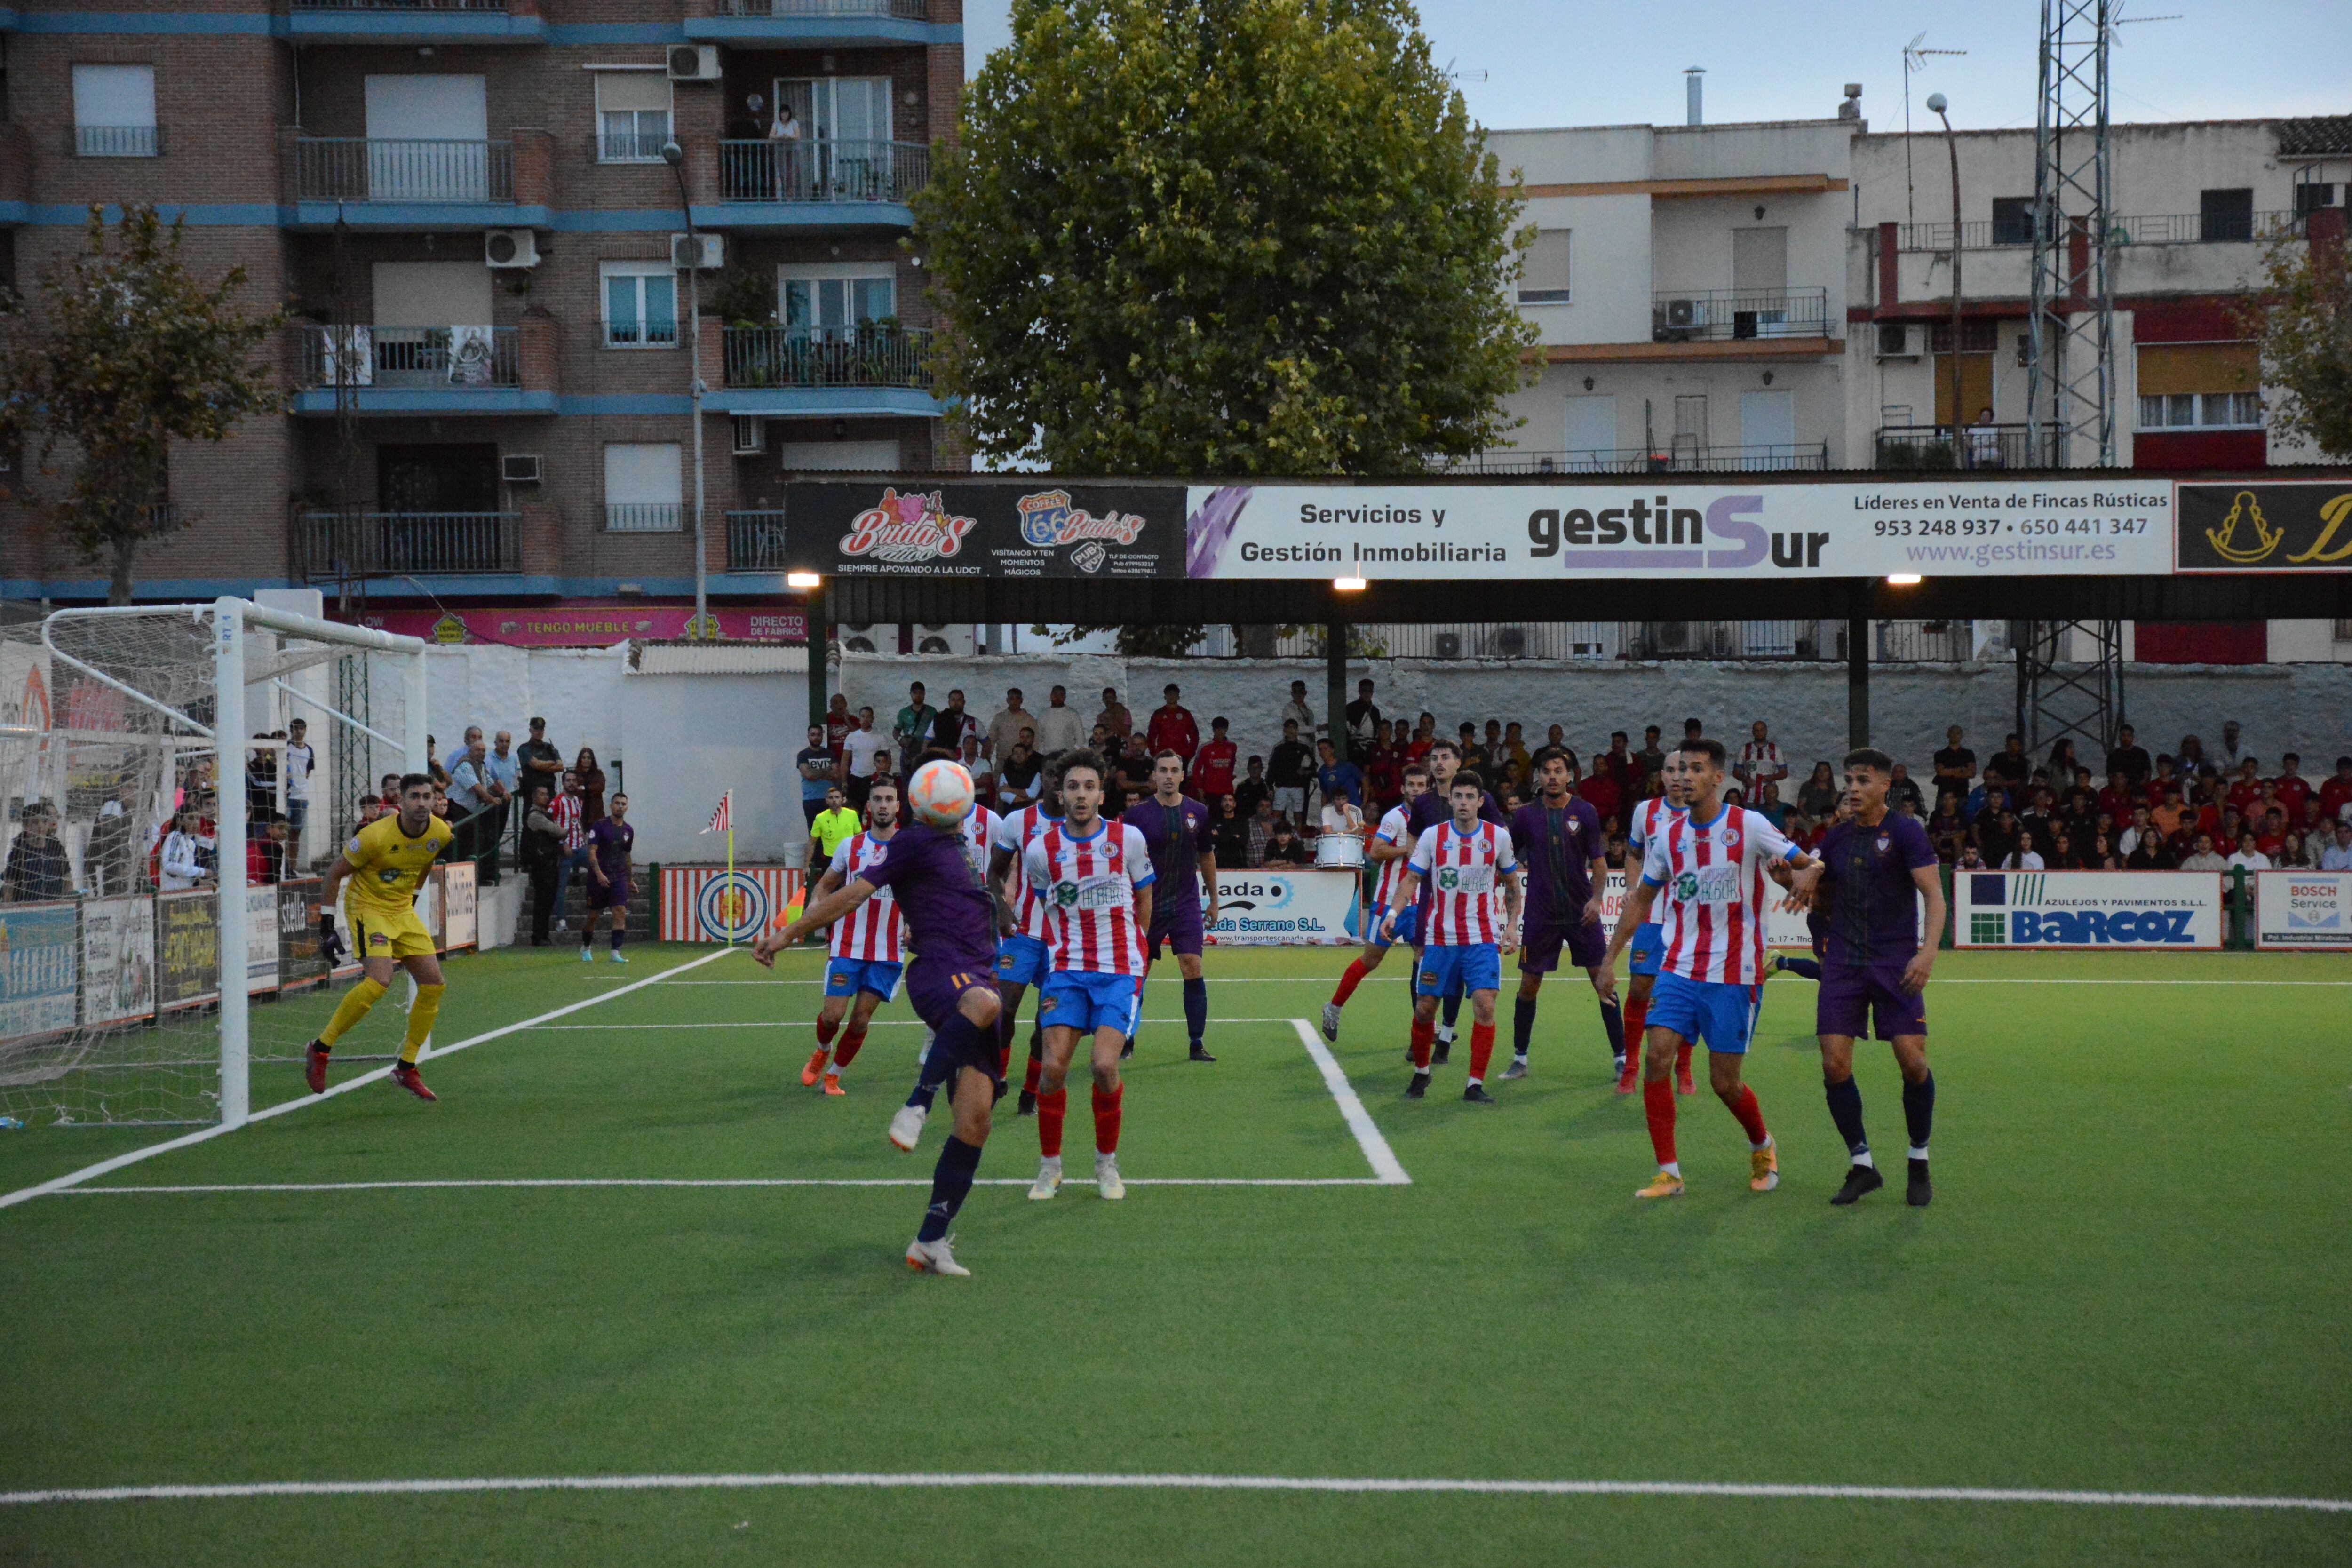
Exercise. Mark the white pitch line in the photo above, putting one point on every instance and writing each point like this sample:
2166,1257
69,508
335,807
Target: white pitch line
1384,1163
705,1181
884,1480
104,1167
809,1023
1400,979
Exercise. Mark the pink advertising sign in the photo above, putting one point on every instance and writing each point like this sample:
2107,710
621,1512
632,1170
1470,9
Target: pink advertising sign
584,626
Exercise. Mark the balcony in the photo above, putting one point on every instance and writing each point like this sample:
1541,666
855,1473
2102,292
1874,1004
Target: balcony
2161,228
812,22
422,185
343,546
755,542
417,22
1681,457
1727,315
1926,447
643,517
414,370
118,142
829,184
873,355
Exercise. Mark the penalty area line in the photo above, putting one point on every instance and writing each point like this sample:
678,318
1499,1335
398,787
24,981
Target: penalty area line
884,1480
1385,1166
434,1183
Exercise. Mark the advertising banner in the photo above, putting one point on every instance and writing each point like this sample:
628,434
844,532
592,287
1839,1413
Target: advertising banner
1975,525
1287,908
460,908
710,903
880,530
2181,911
118,960
260,939
2311,910
40,969
300,961
583,626
431,905
187,948
2296,525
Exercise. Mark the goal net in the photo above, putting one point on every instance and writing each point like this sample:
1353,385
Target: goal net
143,754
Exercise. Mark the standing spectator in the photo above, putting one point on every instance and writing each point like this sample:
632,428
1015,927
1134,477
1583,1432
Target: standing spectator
2337,856
1693,730
260,778
302,762
1418,744
182,861
573,825
1006,726
1336,781
1252,788
1297,712
2236,750
37,867
1759,758
1229,830
1651,757
1363,718
864,754
1171,727
111,859
1114,716
540,857
815,764
2335,794
468,797
1262,824
592,787
1617,761
956,731
1212,772
1599,790
541,763
502,776
1059,727
1134,772
2130,758
1514,755
1473,755
1956,765
1383,772
833,827
1290,769
1017,779
912,728
838,723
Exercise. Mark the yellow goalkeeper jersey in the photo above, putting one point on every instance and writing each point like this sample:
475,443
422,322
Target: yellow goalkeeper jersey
388,865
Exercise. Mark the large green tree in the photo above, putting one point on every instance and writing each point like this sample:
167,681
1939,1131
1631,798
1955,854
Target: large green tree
124,352
2302,322
1223,237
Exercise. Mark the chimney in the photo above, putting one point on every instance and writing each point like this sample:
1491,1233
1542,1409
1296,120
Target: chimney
1850,110
1691,76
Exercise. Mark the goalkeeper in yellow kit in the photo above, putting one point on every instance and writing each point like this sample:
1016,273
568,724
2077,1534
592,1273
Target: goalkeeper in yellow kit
385,863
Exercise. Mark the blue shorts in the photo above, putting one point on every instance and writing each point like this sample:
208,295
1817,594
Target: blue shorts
1722,1016
1475,967
1408,927
848,976
1077,999
1023,961
1648,947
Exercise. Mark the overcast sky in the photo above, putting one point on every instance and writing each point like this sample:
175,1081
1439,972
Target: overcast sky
1553,62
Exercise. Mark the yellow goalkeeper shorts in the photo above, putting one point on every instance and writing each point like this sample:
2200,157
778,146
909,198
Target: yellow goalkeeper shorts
389,933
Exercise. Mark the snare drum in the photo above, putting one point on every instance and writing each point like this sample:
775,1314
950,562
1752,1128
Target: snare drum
1340,852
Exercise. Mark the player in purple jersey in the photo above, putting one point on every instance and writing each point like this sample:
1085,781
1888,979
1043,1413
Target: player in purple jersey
1877,955
1444,757
952,928
1558,839
1183,861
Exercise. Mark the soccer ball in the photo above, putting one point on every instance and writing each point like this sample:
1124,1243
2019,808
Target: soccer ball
941,794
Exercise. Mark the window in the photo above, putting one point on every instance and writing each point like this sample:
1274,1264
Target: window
642,488
1975,337
837,108
640,305
2226,215
2212,410
2310,197
114,111
631,116
1545,281
832,300
2012,220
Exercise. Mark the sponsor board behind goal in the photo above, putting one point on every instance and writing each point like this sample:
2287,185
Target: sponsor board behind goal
2303,911
2181,911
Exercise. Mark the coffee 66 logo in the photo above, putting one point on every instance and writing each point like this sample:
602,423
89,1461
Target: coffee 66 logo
1047,519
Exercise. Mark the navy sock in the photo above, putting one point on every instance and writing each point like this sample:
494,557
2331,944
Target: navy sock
1810,968
1196,1009
617,935
1523,1023
1452,1006
1919,1110
951,1184
1613,1021
1845,1109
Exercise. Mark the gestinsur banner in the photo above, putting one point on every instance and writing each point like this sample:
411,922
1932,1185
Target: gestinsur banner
1659,526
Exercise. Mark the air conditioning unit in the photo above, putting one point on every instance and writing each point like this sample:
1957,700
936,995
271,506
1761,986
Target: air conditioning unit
750,435
1678,321
858,638
519,468
1670,636
510,248
703,252
1445,645
1894,341
694,62
948,640
1508,642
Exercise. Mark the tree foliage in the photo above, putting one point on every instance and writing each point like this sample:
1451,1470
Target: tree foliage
1223,237
2302,320
124,352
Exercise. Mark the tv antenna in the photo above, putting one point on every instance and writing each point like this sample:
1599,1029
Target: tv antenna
1914,60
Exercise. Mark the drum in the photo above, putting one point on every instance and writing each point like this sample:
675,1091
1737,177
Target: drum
1340,852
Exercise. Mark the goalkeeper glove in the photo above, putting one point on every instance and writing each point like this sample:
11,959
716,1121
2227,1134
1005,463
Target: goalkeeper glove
329,944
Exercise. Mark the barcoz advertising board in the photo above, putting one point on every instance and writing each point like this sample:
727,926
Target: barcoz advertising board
1974,525
2179,910
881,529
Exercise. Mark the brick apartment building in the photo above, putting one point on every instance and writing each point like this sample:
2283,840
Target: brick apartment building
467,205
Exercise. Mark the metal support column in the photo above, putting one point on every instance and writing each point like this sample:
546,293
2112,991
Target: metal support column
1335,684
2059,696
820,633
1857,681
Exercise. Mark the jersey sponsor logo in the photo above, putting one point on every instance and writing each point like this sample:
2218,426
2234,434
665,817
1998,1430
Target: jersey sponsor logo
1708,885
1092,893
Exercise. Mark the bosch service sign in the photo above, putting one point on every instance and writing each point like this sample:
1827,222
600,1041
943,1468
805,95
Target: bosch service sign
2311,910
919,529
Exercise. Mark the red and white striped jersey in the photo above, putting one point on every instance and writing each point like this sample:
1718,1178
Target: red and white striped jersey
1649,820
1394,828
1015,832
1087,887
979,826
1464,873
872,931
1710,880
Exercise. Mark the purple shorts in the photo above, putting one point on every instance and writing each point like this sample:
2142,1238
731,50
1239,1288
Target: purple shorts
612,895
1849,997
935,987
1178,925
1540,948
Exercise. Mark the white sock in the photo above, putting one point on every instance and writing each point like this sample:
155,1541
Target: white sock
1766,1144
1863,1159
1672,1167
1471,1083
1919,1152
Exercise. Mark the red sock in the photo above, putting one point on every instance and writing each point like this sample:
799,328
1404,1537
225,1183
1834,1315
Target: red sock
1482,1048
1750,1114
1681,1058
847,1053
1004,1060
1658,1108
1106,1119
825,1028
1349,982
1637,1019
1424,1040
1029,1080
1051,1108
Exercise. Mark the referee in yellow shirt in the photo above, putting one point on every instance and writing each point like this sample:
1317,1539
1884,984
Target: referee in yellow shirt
386,863
836,826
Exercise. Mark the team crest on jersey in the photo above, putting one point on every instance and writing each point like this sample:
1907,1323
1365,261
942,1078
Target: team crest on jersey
1731,839
1884,840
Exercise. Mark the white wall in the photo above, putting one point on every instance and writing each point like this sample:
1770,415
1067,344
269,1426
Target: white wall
1608,269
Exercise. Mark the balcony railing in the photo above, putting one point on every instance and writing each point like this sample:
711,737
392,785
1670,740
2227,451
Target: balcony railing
755,542
338,547
400,5
906,10
786,171
628,146
406,357
2162,229
118,142
876,354
356,169
643,517
1725,315
1812,455
1981,446
1932,642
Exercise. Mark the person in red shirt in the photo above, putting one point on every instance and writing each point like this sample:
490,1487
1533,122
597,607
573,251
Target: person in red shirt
1384,770
1172,728
2291,788
2246,789
838,723
1212,769
2270,836
2117,800
2336,792
1603,792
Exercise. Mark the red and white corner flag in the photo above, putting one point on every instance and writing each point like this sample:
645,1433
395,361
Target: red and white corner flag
723,819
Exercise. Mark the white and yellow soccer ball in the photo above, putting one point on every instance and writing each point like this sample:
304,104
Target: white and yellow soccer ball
941,794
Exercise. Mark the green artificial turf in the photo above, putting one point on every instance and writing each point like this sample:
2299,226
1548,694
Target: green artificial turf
2133,1278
